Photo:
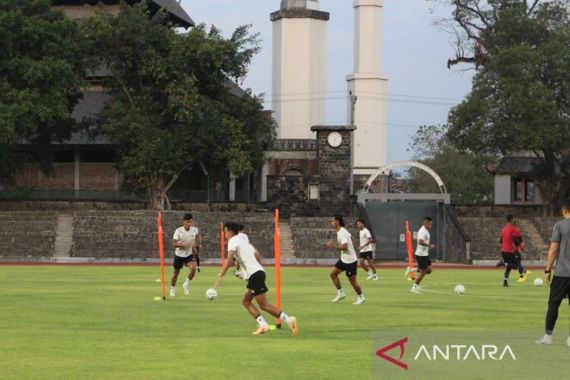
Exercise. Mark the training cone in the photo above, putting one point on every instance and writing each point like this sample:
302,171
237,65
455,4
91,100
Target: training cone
157,280
157,298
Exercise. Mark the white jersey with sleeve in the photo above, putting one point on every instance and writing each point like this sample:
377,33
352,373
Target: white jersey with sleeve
184,236
364,237
347,256
245,255
423,234
243,236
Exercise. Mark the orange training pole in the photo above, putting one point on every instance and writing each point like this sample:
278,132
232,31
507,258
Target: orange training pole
277,244
161,253
410,249
222,243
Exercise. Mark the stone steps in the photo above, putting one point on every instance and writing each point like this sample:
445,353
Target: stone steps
63,235
286,241
533,239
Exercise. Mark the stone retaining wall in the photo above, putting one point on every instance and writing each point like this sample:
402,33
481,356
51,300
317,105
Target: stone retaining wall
27,234
311,233
133,234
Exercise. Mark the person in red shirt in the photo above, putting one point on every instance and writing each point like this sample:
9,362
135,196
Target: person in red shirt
511,246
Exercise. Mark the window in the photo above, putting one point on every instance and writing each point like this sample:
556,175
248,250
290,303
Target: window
523,189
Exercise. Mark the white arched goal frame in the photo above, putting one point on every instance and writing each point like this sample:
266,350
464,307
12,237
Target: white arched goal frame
396,164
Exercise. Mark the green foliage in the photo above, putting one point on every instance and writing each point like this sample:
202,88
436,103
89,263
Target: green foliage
42,66
520,100
172,103
462,172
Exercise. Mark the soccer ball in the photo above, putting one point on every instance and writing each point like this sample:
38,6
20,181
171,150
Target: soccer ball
538,282
459,289
211,294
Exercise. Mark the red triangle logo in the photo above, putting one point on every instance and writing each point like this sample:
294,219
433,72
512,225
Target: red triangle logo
381,353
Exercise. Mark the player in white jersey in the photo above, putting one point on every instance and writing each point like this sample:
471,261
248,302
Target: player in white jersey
366,250
184,241
239,273
347,263
250,261
422,253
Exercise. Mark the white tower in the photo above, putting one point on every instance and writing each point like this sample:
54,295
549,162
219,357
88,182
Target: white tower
299,67
369,86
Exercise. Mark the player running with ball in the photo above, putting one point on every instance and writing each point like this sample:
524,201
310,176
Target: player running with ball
250,261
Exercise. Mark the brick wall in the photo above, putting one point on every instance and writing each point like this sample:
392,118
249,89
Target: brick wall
98,176
63,178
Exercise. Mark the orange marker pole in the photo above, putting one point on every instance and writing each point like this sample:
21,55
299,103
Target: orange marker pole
277,246
161,253
410,249
222,243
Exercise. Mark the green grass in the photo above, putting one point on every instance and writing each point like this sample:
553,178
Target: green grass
72,322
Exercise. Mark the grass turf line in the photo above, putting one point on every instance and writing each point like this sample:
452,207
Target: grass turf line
61,322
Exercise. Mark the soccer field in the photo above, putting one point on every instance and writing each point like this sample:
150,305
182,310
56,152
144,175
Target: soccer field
100,322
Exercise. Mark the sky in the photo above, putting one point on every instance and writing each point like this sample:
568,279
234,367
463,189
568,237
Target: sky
421,90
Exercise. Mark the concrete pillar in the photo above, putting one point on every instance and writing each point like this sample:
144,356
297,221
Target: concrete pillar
369,85
299,68
264,173
232,194
76,171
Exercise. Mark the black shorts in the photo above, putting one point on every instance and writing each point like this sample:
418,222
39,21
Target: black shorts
368,255
423,261
512,260
179,262
349,269
256,283
559,289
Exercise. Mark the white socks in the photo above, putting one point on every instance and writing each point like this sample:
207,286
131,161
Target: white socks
284,317
260,320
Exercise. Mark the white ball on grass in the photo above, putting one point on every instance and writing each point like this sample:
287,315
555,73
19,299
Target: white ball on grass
538,282
459,289
211,294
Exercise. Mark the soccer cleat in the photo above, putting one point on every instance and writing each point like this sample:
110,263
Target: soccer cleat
527,273
416,289
338,297
375,277
261,330
186,287
172,292
360,300
293,325
521,280
505,284
546,339
370,276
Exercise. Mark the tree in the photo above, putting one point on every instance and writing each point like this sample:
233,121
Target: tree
42,66
172,104
462,172
520,100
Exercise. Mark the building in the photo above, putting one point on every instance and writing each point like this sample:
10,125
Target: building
85,168
514,181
